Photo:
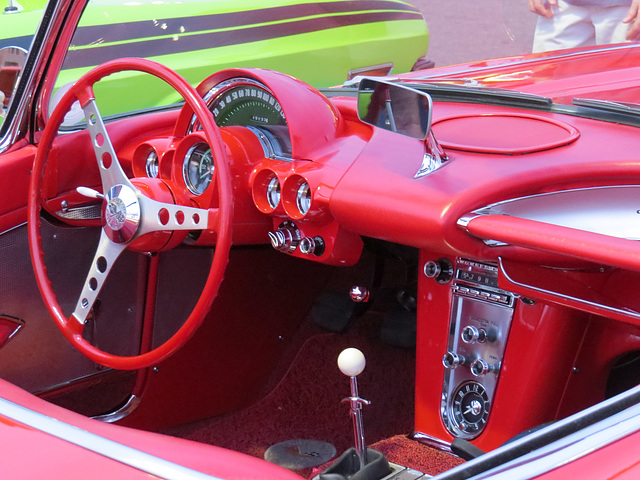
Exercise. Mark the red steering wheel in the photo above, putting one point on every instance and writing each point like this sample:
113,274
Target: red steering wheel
129,213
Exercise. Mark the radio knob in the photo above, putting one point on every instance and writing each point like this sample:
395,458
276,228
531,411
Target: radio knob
452,360
480,368
471,334
441,270
432,269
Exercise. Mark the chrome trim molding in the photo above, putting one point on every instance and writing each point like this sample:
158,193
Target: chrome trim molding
113,450
432,442
571,301
120,413
85,212
610,210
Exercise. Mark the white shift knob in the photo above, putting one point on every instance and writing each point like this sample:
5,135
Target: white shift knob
351,362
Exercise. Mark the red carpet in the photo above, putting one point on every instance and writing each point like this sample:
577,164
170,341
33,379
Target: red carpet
306,403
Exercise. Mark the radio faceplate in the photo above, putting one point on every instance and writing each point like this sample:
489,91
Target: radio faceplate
480,319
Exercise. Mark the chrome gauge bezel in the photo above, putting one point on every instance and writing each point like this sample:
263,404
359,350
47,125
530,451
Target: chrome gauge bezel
197,153
152,164
274,192
303,198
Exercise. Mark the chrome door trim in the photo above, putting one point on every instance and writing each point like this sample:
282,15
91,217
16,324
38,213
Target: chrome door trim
111,449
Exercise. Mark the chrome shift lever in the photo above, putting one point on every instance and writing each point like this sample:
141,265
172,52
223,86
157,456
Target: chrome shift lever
351,362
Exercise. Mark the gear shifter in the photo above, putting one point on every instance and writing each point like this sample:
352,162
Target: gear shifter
351,363
361,463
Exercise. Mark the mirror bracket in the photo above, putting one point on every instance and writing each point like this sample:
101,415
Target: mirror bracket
434,157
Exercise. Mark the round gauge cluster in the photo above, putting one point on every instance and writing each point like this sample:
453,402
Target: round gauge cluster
274,192
292,196
303,198
248,103
198,168
152,164
245,102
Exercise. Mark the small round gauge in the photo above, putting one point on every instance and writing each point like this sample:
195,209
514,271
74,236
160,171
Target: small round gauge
470,407
273,192
152,165
303,198
198,168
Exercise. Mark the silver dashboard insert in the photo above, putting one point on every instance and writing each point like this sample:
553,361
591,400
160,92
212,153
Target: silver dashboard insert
481,315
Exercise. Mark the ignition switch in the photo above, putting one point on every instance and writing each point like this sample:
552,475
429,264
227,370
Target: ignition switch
286,237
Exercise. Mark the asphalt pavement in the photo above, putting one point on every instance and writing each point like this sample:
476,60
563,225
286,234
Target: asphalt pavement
463,31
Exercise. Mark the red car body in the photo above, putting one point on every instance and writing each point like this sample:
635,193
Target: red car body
512,256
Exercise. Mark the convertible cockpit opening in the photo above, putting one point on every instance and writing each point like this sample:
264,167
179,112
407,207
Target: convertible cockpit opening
218,261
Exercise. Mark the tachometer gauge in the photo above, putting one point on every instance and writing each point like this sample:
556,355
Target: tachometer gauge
198,168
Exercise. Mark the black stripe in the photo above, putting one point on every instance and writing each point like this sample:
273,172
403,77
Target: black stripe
174,26
167,46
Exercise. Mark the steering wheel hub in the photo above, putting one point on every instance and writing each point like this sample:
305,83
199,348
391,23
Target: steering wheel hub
121,213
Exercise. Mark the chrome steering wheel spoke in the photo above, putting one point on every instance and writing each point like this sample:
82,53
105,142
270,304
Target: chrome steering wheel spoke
111,172
104,259
159,216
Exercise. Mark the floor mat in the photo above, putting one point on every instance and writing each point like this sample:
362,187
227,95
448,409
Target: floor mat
307,402
409,453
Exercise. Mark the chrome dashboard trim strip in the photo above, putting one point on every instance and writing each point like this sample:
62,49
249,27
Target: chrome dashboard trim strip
570,301
609,210
111,449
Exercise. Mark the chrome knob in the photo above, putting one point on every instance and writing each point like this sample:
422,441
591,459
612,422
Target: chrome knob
440,270
286,238
471,334
432,269
312,245
452,360
359,294
480,368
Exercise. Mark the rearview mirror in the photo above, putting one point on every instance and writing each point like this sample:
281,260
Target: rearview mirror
394,107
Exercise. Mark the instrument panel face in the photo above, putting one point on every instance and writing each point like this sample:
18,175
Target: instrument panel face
248,103
245,102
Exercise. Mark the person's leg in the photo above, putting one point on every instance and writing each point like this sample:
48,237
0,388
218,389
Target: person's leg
569,27
609,26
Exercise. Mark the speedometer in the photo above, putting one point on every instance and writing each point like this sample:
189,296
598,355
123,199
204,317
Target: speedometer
248,103
245,102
